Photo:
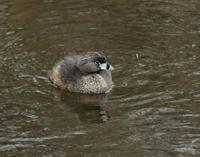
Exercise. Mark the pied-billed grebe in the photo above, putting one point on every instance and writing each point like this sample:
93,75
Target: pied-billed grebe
89,73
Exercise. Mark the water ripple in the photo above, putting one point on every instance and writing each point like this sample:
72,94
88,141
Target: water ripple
42,139
9,147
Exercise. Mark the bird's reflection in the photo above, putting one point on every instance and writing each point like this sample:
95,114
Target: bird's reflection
90,108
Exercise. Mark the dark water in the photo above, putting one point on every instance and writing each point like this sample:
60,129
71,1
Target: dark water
153,110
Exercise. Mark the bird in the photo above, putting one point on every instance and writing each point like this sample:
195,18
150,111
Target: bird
87,73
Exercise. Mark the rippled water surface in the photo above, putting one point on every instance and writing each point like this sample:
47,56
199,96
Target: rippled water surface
153,110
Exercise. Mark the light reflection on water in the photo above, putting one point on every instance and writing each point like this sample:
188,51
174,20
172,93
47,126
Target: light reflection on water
152,110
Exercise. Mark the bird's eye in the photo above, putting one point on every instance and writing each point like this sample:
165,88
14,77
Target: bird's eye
97,62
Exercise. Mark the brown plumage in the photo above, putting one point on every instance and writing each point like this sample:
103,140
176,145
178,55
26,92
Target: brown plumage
89,73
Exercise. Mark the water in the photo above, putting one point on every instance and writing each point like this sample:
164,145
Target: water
152,111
